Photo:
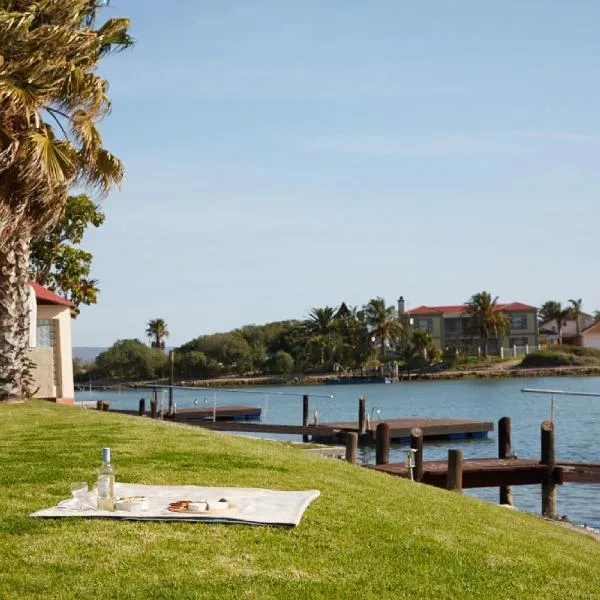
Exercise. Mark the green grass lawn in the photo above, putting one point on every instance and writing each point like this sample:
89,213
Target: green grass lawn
369,535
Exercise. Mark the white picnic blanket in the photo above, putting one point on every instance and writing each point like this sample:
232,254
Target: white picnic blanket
248,505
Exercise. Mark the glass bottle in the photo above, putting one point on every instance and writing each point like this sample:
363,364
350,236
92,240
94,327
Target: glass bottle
106,483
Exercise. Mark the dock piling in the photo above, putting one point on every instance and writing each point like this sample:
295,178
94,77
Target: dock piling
305,400
416,443
362,414
171,381
455,470
505,451
549,499
382,444
142,407
105,406
351,446
154,405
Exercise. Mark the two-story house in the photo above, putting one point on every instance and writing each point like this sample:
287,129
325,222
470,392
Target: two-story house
449,325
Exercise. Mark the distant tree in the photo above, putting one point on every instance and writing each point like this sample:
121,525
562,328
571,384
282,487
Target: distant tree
321,326
56,261
280,363
485,320
196,365
382,323
548,310
554,311
130,359
230,350
422,342
575,312
354,348
157,331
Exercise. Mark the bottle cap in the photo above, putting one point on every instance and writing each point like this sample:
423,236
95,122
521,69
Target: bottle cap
106,455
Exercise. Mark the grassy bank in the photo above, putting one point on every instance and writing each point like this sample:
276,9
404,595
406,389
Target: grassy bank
368,536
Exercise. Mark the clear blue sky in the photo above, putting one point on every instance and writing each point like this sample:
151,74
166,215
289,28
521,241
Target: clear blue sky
282,155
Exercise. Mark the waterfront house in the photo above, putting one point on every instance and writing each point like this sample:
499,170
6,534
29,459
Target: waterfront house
591,336
549,330
449,325
50,345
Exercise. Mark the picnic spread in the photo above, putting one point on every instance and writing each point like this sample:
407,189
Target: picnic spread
252,506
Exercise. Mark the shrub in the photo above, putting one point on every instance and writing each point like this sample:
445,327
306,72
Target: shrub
556,358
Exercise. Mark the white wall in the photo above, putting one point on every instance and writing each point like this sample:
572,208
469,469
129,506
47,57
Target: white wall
61,317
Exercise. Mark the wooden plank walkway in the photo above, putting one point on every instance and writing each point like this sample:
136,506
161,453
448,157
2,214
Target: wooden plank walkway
482,472
201,414
400,428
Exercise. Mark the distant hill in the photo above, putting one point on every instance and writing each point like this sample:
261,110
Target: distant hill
86,353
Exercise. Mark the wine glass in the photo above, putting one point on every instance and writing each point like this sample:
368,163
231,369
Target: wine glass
79,489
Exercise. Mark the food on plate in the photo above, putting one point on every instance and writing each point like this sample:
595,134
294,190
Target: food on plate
198,505
131,503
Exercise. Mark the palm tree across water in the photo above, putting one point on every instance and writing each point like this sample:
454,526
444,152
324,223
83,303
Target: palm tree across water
575,311
486,321
51,99
321,326
157,332
382,323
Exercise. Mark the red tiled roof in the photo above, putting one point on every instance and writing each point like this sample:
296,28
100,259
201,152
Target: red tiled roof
48,297
460,308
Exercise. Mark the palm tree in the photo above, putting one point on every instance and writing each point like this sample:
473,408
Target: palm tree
382,323
485,319
321,326
51,99
575,311
157,331
554,311
548,311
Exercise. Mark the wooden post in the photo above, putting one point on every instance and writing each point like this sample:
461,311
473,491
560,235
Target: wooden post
455,470
171,380
105,406
416,443
382,444
142,407
504,451
99,404
154,405
362,413
305,400
549,504
351,446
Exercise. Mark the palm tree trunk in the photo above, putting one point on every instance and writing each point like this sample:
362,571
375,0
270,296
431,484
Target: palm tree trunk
14,316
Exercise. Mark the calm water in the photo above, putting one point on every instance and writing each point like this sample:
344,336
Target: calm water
577,421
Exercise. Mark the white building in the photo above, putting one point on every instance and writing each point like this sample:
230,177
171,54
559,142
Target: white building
50,345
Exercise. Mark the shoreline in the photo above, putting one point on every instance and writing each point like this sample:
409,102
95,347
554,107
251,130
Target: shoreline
279,380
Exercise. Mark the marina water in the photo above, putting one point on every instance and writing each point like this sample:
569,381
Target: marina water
577,421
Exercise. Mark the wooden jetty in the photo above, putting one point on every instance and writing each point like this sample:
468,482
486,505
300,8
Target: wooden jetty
246,419
433,429
503,472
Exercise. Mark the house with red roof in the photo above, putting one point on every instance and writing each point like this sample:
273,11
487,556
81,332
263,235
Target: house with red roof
449,325
50,345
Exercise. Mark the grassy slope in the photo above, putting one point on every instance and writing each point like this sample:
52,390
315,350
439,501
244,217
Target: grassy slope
368,536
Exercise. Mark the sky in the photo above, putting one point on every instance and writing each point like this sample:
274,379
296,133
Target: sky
286,154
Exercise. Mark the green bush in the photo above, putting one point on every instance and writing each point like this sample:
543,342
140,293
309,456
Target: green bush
576,350
556,358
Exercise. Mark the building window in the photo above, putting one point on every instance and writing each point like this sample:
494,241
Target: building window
424,325
518,322
45,333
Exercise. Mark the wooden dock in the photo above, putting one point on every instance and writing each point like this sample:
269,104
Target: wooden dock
483,472
502,472
433,429
200,415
